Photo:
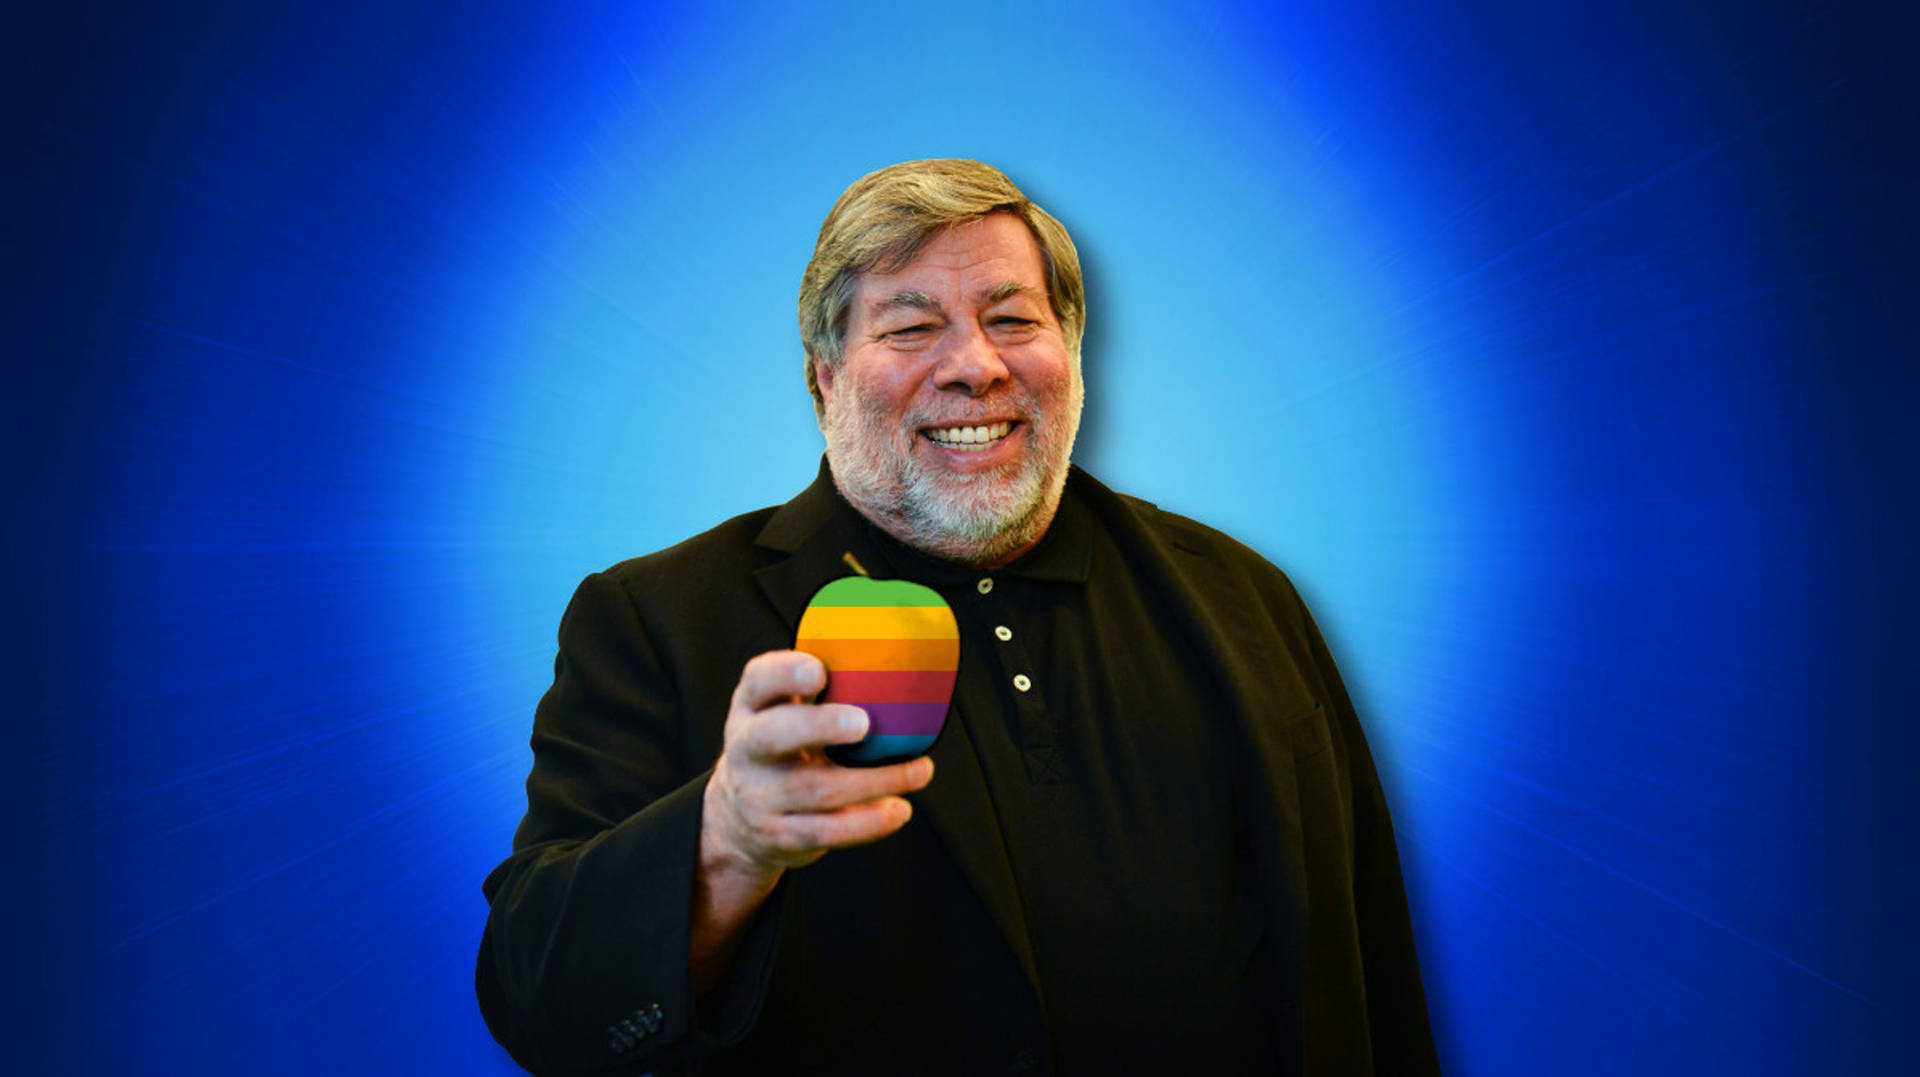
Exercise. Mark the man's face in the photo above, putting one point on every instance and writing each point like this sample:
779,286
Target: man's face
951,419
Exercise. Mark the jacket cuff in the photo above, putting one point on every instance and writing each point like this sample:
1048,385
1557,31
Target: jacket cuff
726,1015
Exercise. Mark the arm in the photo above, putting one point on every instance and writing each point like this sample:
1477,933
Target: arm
593,899
635,887
776,802
1397,1020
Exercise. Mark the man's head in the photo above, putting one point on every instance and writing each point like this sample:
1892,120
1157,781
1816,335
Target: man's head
940,300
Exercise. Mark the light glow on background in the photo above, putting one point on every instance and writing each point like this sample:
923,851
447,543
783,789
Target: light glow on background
1536,345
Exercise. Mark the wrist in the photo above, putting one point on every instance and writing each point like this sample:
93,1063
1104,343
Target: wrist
724,867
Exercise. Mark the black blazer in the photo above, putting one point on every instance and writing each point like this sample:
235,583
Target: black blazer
910,955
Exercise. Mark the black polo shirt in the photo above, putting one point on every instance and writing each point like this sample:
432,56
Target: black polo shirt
1106,759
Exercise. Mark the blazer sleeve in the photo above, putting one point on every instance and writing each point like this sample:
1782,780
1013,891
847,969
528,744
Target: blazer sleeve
1398,1027
583,961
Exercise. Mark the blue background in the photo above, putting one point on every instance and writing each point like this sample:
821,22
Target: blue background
1561,354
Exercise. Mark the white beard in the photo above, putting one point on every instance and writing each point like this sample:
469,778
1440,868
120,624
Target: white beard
976,518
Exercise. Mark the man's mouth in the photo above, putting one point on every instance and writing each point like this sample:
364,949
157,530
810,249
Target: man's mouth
969,438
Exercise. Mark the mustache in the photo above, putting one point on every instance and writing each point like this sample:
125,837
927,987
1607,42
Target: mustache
1020,406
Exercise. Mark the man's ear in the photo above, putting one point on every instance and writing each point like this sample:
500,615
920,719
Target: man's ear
823,377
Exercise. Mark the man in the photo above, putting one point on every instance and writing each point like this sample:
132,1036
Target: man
1155,841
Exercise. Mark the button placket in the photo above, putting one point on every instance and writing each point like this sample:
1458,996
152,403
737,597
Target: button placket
1038,735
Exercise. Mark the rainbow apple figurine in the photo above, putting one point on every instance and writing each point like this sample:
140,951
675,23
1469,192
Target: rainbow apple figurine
892,648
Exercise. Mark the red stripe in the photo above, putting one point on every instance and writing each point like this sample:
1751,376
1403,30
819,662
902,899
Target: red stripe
889,686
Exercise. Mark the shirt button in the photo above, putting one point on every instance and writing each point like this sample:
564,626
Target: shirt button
1022,682
985,586
1002,633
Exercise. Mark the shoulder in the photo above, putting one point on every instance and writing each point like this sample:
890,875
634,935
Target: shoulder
1181,533
681,621
1205,554
695,566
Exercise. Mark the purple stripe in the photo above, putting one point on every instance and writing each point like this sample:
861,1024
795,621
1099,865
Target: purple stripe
894,719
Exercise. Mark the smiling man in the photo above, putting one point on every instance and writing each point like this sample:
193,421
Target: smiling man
1156,842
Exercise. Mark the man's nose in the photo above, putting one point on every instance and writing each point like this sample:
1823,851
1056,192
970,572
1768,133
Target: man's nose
971,363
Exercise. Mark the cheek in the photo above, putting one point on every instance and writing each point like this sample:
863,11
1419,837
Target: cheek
1050,376
886,393
878,403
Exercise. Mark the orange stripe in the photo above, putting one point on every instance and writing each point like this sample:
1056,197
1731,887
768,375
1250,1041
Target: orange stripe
878,622
883,654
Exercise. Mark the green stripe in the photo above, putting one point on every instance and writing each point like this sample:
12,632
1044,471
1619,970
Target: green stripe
861,591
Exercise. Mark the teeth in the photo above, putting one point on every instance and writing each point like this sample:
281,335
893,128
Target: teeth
964,436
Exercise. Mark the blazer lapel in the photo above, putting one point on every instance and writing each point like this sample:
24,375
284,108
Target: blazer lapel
956,805
812,531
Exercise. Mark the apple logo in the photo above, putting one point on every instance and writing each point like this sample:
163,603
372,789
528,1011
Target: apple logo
891,647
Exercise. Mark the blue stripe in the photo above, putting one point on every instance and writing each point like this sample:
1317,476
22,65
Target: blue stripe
886,747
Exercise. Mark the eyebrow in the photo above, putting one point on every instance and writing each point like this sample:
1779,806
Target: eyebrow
910,300
922,301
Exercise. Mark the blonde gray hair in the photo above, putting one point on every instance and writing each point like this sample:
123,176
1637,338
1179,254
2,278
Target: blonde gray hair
884,219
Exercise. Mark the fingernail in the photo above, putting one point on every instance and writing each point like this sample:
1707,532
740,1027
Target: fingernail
853,720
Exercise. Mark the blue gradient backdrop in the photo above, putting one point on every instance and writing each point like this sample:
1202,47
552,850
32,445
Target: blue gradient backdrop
1560,353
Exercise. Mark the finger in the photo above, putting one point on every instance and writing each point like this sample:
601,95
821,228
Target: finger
829,788
778,676
781,732
856,824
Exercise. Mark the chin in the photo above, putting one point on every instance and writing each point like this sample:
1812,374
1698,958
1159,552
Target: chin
979,520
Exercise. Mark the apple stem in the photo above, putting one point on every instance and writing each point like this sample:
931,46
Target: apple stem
853,562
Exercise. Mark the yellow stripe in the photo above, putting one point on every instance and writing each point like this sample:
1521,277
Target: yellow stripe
883,654
878,622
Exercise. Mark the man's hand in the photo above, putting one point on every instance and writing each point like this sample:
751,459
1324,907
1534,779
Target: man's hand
775,801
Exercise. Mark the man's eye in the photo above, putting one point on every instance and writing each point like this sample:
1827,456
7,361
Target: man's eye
909,332
1014,322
